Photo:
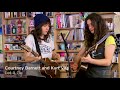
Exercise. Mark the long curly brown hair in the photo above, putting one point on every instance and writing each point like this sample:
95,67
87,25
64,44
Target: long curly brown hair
100,29
38,31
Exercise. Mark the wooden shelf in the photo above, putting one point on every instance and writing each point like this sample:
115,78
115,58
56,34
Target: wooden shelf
12,42
15,61
68,51
15,34
104,13
111,30
16,51
71,41
62,61
15,18
67,28
50,16
31,18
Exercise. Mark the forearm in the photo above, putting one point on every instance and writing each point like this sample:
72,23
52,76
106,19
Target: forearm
30,59
101,62
55,56
77,59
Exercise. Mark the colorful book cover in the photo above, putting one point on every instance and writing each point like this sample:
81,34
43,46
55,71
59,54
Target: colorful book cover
65,33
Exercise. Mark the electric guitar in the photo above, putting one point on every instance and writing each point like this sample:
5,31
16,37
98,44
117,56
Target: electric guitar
47,66
82,67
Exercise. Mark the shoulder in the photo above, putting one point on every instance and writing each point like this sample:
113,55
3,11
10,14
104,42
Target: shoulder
110,40
29,37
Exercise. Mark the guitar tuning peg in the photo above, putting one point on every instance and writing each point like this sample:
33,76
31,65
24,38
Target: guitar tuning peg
22,42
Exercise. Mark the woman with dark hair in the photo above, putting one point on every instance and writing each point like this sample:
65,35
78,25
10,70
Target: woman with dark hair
99,62
42,33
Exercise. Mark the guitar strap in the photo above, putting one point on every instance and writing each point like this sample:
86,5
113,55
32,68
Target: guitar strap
38,50
101,40
37,45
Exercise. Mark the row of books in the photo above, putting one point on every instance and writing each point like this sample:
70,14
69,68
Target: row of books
68,21
15,26
14,14
14,56
73,34
70,46
15,39
23,14
32,14
11,47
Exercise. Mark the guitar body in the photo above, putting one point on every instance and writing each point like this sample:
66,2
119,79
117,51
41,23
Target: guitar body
81,72
50,71
47,65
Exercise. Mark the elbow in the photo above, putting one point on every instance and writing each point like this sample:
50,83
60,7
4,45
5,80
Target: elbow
108,63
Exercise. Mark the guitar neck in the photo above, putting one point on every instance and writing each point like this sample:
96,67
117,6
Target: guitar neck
89,50
34,53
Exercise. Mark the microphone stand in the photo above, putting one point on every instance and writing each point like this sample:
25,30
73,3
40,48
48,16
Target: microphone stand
65,43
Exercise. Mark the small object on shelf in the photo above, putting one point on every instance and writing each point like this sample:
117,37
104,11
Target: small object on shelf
19,22
6,48
14,30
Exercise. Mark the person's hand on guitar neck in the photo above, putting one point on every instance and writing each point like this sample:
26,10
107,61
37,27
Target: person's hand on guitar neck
55,56
86,59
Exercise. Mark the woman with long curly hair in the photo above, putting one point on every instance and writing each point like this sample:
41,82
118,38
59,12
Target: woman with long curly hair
99,62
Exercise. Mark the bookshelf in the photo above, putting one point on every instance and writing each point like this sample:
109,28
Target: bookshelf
70,24
108,17
59,24
16,26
